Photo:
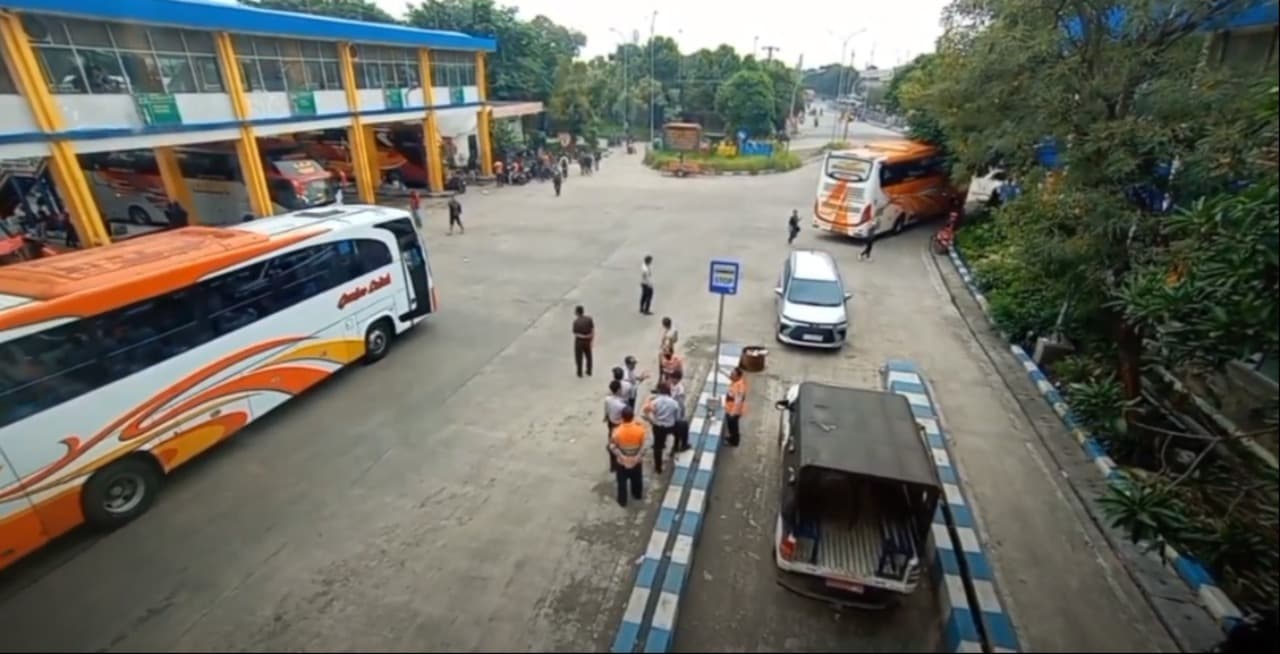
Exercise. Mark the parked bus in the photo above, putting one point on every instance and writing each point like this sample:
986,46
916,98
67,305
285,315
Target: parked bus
120,363
888,185
397,163
127,184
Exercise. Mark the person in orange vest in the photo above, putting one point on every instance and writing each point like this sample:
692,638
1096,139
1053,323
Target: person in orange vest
627,446
735,404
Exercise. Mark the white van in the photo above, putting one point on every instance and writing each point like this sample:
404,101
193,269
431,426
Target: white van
812,301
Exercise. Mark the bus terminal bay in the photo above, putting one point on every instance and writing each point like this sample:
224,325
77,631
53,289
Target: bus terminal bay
415,466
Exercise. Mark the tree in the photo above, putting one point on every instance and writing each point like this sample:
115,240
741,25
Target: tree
570,106
528,53
746,101
1112,82
892,95
350,9
704,72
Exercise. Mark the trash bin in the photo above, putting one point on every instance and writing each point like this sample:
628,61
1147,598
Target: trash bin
752,359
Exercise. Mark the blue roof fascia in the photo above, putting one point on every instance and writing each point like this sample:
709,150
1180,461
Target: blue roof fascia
237,18
1258,13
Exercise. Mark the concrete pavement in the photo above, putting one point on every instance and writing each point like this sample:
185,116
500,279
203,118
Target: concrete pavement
454,495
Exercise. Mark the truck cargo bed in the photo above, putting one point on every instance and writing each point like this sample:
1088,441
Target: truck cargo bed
860,539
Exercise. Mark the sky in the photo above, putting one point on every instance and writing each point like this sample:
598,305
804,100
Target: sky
892,31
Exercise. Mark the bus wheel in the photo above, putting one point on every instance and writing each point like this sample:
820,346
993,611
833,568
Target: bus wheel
139,216
377,341
120,492
900,224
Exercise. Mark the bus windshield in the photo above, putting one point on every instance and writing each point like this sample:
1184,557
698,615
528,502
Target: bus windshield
846,168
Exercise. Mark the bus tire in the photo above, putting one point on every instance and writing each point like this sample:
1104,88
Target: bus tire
900,224
120,492
377,340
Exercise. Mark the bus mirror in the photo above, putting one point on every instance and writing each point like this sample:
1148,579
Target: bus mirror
777,290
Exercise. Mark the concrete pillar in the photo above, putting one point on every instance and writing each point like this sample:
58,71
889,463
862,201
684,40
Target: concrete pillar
366,186
430,128
175,186
251,170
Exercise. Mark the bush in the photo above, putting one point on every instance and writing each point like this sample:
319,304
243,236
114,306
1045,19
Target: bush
778,161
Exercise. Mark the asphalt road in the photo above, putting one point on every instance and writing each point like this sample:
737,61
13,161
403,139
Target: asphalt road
454,496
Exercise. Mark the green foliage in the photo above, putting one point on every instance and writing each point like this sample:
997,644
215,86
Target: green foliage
747,101
1145,510
528,53
351,9
1100,406
1209,295
1078,368
825,81
779,161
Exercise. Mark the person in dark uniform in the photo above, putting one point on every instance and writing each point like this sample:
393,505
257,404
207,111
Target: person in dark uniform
455,215
584,332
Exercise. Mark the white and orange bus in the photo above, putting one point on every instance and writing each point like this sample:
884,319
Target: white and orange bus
120,363
887,185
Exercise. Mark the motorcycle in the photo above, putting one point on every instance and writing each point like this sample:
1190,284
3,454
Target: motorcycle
456,183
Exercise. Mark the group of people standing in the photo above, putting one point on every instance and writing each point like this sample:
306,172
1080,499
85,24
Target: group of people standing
666,410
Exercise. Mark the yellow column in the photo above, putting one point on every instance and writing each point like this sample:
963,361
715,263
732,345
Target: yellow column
175,186
484,118
68,177
373,163
255,178
430,129
366,187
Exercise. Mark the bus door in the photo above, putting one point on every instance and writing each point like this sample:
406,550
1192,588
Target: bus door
413,257
21,530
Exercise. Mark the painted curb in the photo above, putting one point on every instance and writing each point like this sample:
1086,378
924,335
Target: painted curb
974,618
1189,569
649,620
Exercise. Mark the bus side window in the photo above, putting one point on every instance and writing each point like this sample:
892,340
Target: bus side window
372,254
42,370
244,296
146,333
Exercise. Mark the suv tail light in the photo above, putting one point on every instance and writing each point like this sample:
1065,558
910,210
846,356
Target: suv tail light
787,550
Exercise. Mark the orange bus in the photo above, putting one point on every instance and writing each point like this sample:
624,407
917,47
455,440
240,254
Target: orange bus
885,185
120,363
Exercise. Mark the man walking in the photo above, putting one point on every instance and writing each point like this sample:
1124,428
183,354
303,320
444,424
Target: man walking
662,412
584,333
865,254
415,208
626,449
455,215
556,181
793,226
735,404
646,285
632,378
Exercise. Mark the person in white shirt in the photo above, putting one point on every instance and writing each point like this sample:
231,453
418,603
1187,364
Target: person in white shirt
614,403
676,383
627,391
646,285
662,412
631,379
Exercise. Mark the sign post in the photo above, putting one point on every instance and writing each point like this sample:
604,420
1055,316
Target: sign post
723,280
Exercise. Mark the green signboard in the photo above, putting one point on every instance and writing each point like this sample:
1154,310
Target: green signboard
393,98
302,103
158,109
457,95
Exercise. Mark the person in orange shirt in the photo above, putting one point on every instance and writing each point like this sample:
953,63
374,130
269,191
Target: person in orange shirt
735,404
627,445
671,364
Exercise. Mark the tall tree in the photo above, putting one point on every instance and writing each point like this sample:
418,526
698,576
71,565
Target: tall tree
746,101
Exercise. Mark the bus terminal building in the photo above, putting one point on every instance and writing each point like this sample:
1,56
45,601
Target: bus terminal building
85,78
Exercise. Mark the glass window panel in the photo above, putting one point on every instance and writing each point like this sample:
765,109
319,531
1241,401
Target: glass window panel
127,37
407,75
44,29
88,33
243,45
437,72
294,75
142,71
314,75
176,72
290,49
332,78
208,75
103,71
249,73
310,49
266,47
328,51
61,70
272,74
388,72
165,39
6,82
199,42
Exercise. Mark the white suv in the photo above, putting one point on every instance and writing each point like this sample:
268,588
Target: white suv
812,301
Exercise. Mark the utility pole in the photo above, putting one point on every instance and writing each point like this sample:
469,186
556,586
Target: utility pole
796,89
652,82
755,45
769,50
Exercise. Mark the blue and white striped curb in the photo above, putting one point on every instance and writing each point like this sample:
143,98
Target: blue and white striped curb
964,623
652,609
1190,570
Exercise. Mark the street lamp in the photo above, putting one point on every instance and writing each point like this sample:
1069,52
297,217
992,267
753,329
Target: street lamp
626,90
844,47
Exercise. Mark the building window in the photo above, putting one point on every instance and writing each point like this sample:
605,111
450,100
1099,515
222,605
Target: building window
6,81
80,56
287,65
453,68
386,68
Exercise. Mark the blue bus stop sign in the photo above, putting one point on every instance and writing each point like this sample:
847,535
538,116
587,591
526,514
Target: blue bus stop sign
724,277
